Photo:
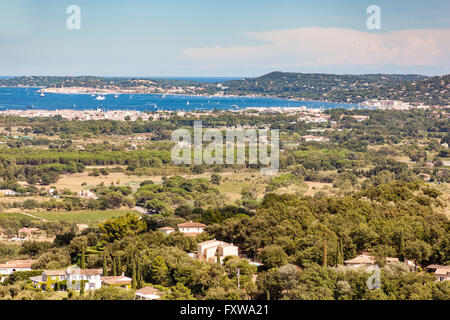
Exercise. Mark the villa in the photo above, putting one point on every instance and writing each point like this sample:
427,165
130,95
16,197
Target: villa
442,273
191,229
71,278
14,265
166,230
28,233
365,260
210,250
147,293
117,281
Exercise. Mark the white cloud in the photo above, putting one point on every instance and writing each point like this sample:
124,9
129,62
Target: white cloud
327,47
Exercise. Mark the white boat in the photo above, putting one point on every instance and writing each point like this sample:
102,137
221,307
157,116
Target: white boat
116,96
188,103
42,94
100,98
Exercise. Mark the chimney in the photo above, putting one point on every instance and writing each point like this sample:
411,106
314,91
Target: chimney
123,274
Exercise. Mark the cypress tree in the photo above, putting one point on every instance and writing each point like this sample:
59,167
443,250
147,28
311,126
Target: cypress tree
218,257
133,276
113,267
83,259
119,266
140,282
324,260
105,266
82,288
339,253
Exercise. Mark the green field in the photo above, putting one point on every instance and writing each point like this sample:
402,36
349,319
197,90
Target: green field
14,216
91,217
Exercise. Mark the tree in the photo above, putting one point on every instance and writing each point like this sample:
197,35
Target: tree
339,253
270,284
273,256
83,259
105,266
82,285
78,246
118,228
215,179
179,292
114,267
288,275
156,206
140,280
112,200
324,255
159,271
133,275
418,251
113,293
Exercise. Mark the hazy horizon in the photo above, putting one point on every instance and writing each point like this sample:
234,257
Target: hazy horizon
183,77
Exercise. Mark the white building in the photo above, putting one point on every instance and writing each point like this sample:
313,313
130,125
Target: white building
442,273
74,277
309,138
365,260
88,194
147,293
191,228
209,250
6,193
82,226
14,265
90,278
166,230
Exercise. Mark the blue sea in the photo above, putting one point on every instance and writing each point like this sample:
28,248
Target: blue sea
29,98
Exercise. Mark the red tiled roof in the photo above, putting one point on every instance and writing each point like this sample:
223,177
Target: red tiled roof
18,264
147,291
367,259
87,272
29,229
191,224
116,280
55,272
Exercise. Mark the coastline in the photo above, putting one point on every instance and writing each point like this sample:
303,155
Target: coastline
179,92
94,91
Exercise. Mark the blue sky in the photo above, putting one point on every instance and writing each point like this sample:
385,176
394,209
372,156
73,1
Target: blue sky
223,38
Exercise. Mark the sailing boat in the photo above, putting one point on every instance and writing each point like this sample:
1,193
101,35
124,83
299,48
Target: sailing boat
100,98
42,93
188,103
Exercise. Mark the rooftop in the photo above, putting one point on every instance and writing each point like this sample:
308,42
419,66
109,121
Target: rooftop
17,264
191,224
116,280
147,291
55,272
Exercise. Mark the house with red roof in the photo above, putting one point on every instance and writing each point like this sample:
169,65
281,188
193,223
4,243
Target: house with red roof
191,229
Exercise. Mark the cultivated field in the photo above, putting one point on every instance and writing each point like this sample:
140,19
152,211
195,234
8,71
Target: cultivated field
89,217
